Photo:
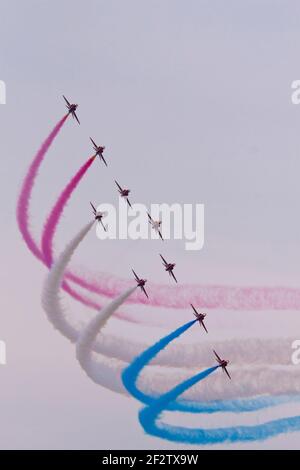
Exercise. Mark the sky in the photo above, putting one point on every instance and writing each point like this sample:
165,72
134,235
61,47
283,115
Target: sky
193,103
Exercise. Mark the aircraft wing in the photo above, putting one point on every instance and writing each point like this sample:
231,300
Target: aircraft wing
94,208
128,202
194,309
163,259
173,276
144,290
68,103
94,144
135,275
118,185
202,323
149,217
101,222
75,116
160,235
217,356
103,160
226,372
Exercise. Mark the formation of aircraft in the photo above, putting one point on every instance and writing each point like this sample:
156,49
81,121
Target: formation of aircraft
155,225
124,193
99,151
71,109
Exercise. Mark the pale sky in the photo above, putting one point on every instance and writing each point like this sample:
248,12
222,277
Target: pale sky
192,100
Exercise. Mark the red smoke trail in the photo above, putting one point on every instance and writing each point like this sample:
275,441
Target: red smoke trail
226,297
210,296
203,296
56,212
49,232
26,190
24,200
213,297
52,223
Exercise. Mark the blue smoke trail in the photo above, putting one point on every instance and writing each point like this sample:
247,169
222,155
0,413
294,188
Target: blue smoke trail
169,401
148,417
132,372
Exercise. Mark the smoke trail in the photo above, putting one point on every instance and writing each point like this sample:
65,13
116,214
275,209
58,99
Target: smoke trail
50,298
56,212
168,401
202,296
94,370
51,226
131,373
109,369
26,190
148,418
50,295
84,345
226,297
23,207
24,200
123,351
45,254
266,376
258,351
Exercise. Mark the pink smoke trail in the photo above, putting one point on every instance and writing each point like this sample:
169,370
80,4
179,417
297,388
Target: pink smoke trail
48,234
225,297
23,206
213,297
27,187
57,210
203,296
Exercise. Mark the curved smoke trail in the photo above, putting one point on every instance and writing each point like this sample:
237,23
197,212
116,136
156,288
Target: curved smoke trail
203,296
44,253
210,296
149,415
53,218
50,228
24,201
27,187
51,225
112,362
50,297
86,340
252,387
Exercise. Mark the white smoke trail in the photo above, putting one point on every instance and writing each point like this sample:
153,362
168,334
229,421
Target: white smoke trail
258,378
248,381
50,295
85,342
246,351
249,351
